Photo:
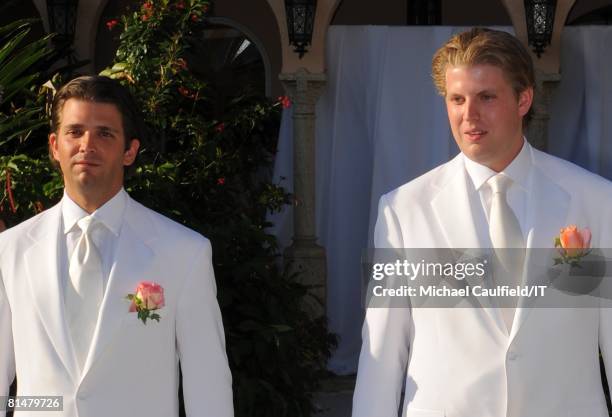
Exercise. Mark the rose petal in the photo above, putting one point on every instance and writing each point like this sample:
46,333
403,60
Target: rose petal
586,237
150,294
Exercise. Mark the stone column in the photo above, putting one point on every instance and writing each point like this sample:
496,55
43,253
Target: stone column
537,131
305,256
547,65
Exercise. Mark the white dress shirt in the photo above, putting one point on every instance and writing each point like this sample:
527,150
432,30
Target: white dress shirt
518,170
110,214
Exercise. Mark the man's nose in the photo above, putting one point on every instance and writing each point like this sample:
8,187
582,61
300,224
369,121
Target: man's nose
471,111
86,142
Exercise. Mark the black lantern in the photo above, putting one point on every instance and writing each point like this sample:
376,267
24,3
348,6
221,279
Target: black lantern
540,15
300,23
62,19
424,12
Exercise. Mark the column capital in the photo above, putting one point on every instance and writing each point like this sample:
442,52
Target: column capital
303,87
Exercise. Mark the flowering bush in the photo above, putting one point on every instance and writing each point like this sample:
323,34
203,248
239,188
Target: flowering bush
207,164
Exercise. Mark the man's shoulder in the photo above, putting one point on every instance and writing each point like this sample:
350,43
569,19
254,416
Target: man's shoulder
570,176
27,226
19,238
169,230
423,188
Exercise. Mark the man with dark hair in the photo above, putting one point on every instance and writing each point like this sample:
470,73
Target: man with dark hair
490,360
100,297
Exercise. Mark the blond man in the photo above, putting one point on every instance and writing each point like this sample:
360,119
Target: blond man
483,361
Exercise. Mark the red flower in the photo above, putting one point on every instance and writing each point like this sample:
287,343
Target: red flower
148,7
194,18
181,63
221,181
112,23
180,5
220,127
205,8
284,101
185,92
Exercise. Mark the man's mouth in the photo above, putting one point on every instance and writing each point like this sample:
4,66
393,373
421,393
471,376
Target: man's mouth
86,163
475,134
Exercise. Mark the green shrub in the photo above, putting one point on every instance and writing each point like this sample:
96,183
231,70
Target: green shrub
209,168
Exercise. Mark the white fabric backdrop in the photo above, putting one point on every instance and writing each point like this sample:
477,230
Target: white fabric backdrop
380,124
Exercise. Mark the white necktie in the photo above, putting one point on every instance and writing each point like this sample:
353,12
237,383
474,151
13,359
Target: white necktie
85,290
507,240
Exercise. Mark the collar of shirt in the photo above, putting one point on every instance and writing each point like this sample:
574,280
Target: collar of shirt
110,214
517,170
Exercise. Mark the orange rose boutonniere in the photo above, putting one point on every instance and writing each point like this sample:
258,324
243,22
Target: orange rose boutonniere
149,297
573,244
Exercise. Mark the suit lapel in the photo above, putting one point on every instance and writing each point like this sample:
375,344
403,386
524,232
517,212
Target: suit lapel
454,208
547,209
133,257
460,215
42,264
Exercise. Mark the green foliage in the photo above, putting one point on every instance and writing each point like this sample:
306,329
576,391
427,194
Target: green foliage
21,112
29,184
209,168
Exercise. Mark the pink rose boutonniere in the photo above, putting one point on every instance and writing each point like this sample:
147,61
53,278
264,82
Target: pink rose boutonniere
149,297
573,244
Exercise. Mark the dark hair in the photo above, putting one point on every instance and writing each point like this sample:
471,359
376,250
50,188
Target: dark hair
100,90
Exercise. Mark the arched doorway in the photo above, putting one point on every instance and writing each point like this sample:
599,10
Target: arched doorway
230,62
234,48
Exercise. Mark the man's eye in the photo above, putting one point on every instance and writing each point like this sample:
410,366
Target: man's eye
106,134
488,97
74,132
457,100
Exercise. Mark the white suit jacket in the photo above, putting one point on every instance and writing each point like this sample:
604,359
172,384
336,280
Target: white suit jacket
462,362
132,368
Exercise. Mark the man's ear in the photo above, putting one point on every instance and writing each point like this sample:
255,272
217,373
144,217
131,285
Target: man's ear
53,152
130,153
525,100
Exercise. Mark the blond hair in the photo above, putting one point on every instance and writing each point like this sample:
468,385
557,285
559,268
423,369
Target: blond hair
484,46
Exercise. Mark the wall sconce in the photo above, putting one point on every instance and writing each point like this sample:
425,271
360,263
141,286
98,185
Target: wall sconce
300,23
540,15
62,19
